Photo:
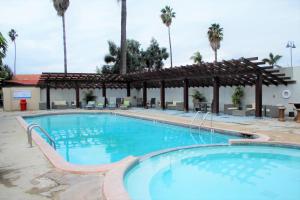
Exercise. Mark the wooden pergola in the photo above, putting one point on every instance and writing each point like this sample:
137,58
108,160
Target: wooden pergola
236,72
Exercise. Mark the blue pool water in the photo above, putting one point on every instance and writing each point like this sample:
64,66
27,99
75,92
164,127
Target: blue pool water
105,138
214,173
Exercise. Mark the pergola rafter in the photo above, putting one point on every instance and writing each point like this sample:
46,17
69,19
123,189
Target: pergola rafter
235,72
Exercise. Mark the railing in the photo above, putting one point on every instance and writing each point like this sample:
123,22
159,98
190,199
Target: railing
30,127
203,120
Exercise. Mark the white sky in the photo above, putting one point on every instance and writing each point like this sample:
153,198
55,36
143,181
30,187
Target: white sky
251,28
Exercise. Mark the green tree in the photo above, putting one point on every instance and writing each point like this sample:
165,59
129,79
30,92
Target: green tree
123,60
3,48
273,59
137,58
215,36
61,7
154,55
98,70
5,73
13,36
113,58
167,16
197,58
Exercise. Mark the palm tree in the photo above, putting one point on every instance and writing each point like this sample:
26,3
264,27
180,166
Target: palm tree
61,7
13,36
3,47
166,16
197,58
123,63
272,60
215,36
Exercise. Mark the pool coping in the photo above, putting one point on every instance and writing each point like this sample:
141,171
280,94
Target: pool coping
114,188
60,163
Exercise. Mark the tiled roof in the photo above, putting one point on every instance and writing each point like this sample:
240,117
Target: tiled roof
25,79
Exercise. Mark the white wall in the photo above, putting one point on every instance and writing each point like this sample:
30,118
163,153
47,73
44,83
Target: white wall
70,94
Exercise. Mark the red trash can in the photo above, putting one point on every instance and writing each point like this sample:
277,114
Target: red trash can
23,104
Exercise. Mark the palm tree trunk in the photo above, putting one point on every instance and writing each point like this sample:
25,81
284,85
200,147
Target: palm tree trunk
123,39
65,46
15,61
216,55
171,57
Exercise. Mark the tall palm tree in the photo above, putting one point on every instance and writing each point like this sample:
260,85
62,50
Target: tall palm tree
215,36
61,7
123,63
3,47
273,59
197,58
166,16
13,36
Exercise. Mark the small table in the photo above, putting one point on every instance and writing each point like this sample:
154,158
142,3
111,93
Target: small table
297,106
281,113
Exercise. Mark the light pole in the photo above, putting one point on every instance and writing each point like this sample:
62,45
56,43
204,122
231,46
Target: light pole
292,46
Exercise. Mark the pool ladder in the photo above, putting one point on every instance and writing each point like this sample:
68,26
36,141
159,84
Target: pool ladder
30,127
203,120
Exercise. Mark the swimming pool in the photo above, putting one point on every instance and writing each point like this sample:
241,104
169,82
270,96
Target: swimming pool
90,139
218,172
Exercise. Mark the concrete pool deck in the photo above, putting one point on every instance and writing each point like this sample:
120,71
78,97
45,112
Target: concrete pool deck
25,173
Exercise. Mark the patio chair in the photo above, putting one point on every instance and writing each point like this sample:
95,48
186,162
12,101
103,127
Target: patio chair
272,111
175,105
101,103
72,105
125,105
119,102
228,108
171,105
250,109
60,104
90,105
112,102
152,102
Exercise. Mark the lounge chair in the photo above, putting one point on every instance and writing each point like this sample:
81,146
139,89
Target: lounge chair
125,105
228,108
59,105
112,102
73,105
271,111
175,105
250,109
90,105
100,105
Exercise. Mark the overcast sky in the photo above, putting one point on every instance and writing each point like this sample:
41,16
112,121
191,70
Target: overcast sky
251,28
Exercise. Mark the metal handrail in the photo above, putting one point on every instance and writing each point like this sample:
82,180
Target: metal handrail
30,127
194,118
203,120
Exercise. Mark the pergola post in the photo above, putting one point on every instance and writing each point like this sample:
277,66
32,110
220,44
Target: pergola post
48,96
162,95
186,95
145,94
258,95
77,96
104,93
216,95
128,89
